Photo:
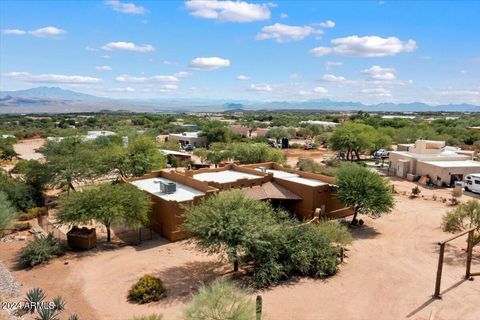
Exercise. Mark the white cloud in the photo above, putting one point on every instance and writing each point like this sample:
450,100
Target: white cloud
181,74
169,63
377,73
228,11
41,32
327,24
460,92
88,48
321,90
122,90
321,51
261,88
128,46
105,56
209,63
243,77
283,16
330,64
153,79
281,32
16,32
332,78
377,92
50,78
103,68
369,46
47,31
125,7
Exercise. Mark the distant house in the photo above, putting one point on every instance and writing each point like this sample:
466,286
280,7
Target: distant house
301,193
442,164
172,154
196,138
92,135
325,124
241,130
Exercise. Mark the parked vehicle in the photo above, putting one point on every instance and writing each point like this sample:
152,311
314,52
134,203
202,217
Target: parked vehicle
472,182
188,147
380,153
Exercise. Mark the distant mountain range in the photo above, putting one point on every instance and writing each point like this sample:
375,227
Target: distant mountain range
57,100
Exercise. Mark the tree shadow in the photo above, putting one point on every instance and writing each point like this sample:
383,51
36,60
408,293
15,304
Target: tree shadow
455,256
431,300
364,232
182,281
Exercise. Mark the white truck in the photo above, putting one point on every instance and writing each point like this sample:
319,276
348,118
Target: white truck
472,182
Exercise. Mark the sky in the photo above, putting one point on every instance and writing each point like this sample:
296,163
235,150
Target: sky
366,51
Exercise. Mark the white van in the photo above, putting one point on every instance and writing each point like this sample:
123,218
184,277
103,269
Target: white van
472,182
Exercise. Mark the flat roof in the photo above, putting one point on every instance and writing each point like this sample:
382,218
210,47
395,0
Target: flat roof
174,153
224,176
444,153
454,164
183,192
294,177
195,134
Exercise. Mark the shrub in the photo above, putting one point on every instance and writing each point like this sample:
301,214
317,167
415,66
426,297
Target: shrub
294,249
7,212
153,316
32,214
146,289
219,301
415,192
40,250
466,215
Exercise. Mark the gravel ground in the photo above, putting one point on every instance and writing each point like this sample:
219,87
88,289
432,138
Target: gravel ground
8,285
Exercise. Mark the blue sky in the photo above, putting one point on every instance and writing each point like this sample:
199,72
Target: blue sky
377,51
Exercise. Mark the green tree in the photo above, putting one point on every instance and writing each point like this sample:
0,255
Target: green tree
109,204
221,300
23,197
216,157
364,191
7,211
226,222
277,133
7,152
71,161
202,153
256,153
353,138
465,216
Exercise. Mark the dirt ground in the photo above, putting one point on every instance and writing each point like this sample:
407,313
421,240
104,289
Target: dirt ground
318,155
26,148
389,274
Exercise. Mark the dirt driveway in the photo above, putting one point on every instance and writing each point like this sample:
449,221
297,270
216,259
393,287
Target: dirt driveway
389,274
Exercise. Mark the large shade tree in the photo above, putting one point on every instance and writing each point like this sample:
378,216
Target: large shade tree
363,190
109,204
228,222
355,138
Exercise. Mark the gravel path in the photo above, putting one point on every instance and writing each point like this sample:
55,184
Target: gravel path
8,285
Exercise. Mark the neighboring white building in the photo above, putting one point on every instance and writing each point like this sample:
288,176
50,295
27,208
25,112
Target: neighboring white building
92,135
443,164
325,124
196,138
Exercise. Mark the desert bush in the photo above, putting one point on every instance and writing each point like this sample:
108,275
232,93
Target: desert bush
466,215
295,146
153,316
21,226
32,213
219,301
40,250
146,289
7,212
415,192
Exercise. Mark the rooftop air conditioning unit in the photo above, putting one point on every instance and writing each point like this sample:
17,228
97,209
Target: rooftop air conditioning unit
168,187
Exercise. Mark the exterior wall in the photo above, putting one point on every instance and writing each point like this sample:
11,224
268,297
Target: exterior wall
183,140
442,175
166,216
